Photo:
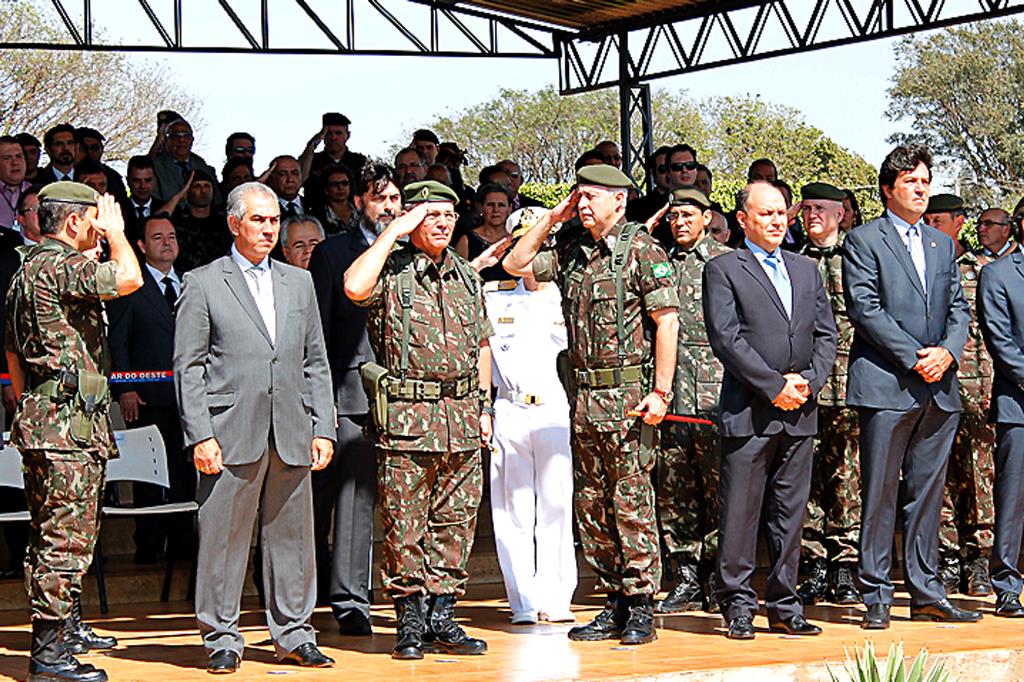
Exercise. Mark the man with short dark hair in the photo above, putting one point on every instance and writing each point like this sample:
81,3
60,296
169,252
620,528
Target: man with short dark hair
643,208
426,143
141,183
609,152
90,173
61,148
240,145
31,147
12,178
762,170
90,146
910,321
409,166
682,165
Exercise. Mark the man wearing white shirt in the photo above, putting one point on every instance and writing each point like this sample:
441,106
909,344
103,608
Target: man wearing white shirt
531,468
141,182
142,339
286,181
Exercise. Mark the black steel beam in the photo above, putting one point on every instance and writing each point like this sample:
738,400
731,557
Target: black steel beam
584,57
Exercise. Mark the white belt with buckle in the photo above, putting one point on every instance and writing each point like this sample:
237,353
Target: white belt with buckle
520,398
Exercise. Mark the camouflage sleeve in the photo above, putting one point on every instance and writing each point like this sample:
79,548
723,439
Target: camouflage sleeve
9,343
545,266
656,276
377,295
85,278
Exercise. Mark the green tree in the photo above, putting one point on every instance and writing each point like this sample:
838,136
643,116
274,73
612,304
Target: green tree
545,133
961,92
105,90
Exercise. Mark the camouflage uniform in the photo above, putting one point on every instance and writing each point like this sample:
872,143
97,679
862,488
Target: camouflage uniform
832,527
55,323
687,472
613,454
968,508
430,473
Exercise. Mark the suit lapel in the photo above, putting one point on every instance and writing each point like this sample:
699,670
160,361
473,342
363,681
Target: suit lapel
752,266
280,299
895,243
157,302
235,280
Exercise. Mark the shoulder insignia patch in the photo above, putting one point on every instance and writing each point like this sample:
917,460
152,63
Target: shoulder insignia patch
662,270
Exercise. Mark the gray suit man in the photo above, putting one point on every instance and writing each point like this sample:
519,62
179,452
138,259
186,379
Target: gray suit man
1001,309
910,320
254,391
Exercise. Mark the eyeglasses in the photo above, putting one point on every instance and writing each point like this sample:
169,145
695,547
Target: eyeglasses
447,215
514,174
992,223
181,135
685,165
404,166
34,209
244,150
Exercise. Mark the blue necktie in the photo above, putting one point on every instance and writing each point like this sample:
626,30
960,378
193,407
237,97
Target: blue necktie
780,280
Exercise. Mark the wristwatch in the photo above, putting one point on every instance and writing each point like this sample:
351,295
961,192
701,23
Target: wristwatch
664,395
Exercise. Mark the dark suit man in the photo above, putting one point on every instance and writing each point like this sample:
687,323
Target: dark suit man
347,488
770,323
250,373
1001,309
142,339
910,320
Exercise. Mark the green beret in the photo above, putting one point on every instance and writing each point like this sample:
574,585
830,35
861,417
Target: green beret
944,203
822,190
688,194
67,192
603,174
428,190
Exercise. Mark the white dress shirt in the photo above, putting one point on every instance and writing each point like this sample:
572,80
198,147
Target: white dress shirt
159,277
261,286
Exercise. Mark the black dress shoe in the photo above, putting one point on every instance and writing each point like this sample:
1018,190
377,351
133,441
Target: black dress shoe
943,611
876,617
1008,605
355,624
223,662
797,625
308,656
741,627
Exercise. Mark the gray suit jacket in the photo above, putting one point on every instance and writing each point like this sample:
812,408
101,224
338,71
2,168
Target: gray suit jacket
233,384
170,178
1001,313
758,343
893,317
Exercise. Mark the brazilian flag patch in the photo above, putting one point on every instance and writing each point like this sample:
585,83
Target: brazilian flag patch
662,270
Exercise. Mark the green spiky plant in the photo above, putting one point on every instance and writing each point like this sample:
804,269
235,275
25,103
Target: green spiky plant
863,666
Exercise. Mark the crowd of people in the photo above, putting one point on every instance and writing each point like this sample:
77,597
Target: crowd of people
667,378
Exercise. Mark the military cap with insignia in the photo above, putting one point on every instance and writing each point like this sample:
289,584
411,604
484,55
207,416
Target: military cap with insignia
333,118
605,175
823,191
428,190
944,203
68,192
688,194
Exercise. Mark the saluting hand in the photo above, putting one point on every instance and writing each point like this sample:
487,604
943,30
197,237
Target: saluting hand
208,457
566,208
408,221
108,216
653,220
492,255
323,450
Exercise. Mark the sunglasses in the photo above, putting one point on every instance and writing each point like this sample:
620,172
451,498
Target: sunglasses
685,165
244,150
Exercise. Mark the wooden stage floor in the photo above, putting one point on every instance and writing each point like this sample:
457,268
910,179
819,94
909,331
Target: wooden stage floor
158,642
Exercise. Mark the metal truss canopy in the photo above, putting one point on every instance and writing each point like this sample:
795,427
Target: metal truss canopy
721,33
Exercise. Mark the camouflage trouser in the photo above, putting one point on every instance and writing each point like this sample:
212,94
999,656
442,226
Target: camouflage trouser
832,525
615,511
968,507
62,490
687,493
429,504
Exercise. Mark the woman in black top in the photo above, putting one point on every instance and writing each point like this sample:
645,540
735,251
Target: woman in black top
495,202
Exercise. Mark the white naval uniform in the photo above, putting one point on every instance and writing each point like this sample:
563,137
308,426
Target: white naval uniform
531,469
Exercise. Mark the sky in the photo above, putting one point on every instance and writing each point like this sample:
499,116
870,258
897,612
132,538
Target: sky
279,99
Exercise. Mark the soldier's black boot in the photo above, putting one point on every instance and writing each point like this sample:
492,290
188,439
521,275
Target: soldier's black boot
411,627
444,635
710,601
51,662
813,589
949,572
844,588
606,625
685,595
639,627
978,582
78,637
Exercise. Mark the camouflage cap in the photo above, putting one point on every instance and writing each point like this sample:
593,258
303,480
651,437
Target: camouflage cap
67,192
944,203
607,176
688,194
428,190
822,190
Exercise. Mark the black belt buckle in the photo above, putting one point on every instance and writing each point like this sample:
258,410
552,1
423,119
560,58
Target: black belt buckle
448,387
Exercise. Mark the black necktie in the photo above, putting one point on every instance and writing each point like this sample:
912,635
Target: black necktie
169,293
141,211
185,169
289,209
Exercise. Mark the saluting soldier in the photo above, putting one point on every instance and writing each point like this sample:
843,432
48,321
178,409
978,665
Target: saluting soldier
832,527
430,403
55,341
966,530
687,470
620,306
